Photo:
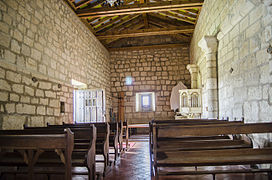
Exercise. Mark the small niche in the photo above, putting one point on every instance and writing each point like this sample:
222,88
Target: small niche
62,107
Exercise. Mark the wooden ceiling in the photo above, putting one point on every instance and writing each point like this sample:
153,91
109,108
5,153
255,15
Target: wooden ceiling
138,18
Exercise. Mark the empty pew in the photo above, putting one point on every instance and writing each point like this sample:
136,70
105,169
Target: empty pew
19,148
113,138
173,143
102,138
84,145
209,157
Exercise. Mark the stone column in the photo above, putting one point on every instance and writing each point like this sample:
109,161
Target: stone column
208,44
193,69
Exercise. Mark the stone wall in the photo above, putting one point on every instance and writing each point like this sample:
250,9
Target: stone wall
244,31
44,40
153,70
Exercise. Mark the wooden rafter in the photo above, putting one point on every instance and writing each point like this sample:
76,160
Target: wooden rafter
139,8
81,3
168,20
100,21
122,21
111,22
160,22
185,14
91,5
177,17
147,32
130,24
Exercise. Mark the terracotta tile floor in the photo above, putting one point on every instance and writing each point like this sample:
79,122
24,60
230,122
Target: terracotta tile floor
135,165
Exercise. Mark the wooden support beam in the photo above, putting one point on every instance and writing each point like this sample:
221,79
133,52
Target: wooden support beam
100,21
111,22
144,16
146,32
150,47
122,21
139,8
81,3
91,5
177,17
166,19
185,14
160,22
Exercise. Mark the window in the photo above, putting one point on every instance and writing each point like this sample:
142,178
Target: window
145,102
128,80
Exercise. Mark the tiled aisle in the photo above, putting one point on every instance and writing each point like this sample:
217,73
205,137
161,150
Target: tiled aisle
132,165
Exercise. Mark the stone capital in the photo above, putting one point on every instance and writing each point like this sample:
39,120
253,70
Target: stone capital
193,68
208,44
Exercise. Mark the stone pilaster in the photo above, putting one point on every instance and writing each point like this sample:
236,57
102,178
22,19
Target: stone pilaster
208,45
193,69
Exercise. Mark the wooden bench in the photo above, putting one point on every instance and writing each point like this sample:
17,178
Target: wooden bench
113,138
19,148
84,146
102,139
201,154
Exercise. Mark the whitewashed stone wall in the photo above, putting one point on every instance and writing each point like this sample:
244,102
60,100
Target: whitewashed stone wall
244,31
46,40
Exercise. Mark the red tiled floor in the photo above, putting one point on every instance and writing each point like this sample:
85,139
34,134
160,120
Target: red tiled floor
135,165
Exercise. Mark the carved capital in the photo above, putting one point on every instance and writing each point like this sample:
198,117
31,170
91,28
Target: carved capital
208,44
193,68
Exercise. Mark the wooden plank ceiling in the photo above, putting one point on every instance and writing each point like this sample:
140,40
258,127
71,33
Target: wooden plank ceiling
137,18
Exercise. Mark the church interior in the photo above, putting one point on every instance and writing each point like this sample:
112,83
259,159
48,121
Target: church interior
135,89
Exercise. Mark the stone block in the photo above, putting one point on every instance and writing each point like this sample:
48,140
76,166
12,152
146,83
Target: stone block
13,122
3,96
53,103
39,93
49,111
4,40
10,108
50,120
14,97
50,94
35,54
15,46
25,50
29,91
18,88
14,77
25,99
37,121
10,56
255,93
25,109
45,85
2,73
34,100
4,85
41,110
44,101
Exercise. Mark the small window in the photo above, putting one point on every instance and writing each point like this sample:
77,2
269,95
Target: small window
62,107
128,80
145,102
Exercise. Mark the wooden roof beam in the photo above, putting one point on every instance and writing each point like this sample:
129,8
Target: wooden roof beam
185,14
167,19
139,8
146,32
122,21
111,22
81,3
178,17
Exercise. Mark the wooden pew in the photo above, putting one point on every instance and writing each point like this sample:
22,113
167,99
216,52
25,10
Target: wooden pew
102,138
203,157
19,148
172,143
84,145
120,136
113,138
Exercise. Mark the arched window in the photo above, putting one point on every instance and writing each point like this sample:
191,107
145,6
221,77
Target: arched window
184,100
194,100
